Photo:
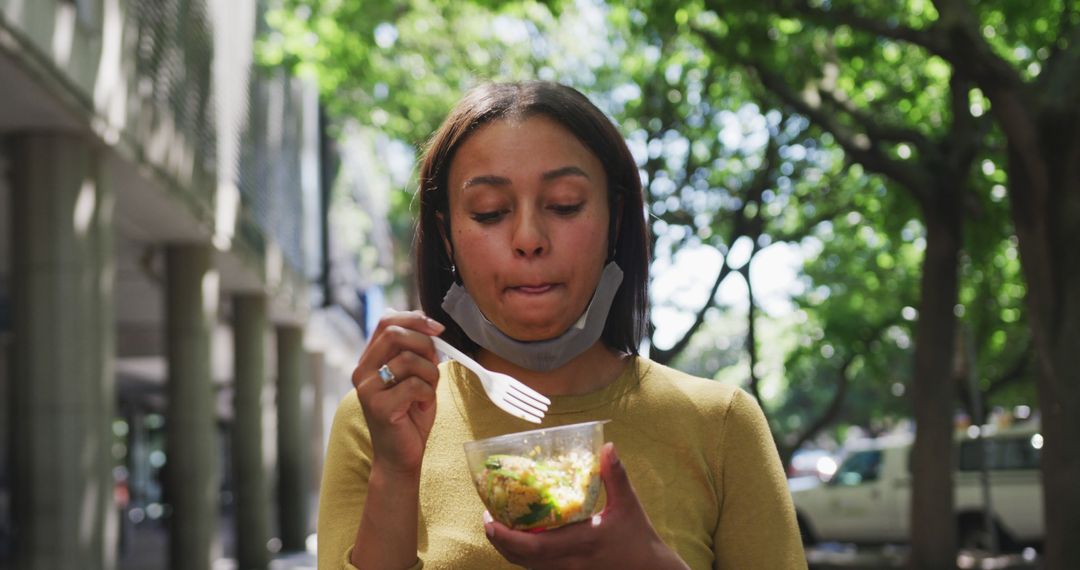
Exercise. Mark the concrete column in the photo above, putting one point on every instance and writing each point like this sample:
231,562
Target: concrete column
249,472
191,439
317,366
63,389
292,458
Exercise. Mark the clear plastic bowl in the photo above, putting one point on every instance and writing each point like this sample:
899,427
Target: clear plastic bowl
539,479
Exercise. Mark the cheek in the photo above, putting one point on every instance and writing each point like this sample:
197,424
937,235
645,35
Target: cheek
588,237
473,251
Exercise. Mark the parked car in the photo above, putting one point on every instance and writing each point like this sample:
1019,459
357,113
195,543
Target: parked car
817,463
868,500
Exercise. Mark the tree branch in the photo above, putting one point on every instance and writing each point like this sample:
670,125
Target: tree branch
807,226
1059,82
741,227
664,356
874,129
1017,371
966,48
836,404
857,145
828,416
751,330
927,39
956,36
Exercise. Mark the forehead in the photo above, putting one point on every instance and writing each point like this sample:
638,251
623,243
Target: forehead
520,147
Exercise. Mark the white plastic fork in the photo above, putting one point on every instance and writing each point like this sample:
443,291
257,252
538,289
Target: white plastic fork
505,391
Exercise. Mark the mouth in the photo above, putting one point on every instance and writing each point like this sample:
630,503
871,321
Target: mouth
533,289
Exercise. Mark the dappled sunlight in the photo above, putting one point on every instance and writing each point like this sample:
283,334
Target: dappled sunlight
226,212
110,87
85,202
274,265
167,147
92,487
15,10
63,33
211,287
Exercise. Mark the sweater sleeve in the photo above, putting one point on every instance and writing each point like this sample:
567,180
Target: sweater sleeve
757,527
344,486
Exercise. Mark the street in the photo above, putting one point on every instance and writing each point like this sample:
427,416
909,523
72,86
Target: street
831,556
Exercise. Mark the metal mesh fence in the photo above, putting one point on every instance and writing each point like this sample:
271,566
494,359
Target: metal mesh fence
270,169
173,114
173,53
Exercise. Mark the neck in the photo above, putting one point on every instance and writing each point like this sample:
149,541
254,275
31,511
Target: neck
590,371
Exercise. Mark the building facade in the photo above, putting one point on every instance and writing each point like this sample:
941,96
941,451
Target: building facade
168,355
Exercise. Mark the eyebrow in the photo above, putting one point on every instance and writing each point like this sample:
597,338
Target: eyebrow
564,171
492,180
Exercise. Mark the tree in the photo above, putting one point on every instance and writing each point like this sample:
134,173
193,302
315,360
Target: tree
935,177
717,167
853,358
863,55
1025,59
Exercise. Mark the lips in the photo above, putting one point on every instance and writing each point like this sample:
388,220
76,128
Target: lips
537,289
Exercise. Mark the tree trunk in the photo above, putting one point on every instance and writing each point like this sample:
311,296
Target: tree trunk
1045,198
933,526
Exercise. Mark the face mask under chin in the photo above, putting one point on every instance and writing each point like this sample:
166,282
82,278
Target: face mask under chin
541,355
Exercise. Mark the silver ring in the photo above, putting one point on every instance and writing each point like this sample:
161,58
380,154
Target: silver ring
387,376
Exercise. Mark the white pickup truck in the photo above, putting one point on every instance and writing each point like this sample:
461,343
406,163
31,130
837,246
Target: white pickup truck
868,500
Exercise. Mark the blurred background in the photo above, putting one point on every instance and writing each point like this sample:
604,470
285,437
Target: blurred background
864,213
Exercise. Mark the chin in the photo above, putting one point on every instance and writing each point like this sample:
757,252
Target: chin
532,332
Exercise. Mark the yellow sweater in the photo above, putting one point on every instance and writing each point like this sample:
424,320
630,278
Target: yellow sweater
698,452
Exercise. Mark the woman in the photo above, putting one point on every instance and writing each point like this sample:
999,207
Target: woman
532,255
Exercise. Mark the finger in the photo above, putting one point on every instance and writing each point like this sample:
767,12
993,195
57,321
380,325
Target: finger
395,338
394,404
408,363
410,319
565,541
518,550
620,493
382,348
391,341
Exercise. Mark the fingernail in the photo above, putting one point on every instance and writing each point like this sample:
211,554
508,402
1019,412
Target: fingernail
489,530
487,518
435,325
614,456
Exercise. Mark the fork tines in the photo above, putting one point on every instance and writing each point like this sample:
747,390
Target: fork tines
526,403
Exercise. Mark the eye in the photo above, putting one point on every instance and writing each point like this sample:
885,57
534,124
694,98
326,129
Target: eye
567,209
488,217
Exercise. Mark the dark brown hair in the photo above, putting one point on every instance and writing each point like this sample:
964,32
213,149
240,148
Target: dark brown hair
628,238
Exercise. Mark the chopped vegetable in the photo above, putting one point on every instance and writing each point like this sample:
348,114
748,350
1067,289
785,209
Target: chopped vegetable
528,493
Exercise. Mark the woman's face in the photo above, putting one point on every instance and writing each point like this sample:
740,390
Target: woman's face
529,221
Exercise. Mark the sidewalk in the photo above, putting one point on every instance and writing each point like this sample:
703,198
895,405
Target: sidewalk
147,549
846,557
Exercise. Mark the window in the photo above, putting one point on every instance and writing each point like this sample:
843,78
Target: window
860,467
1003,454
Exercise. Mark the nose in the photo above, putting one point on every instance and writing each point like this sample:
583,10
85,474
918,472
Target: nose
530,237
